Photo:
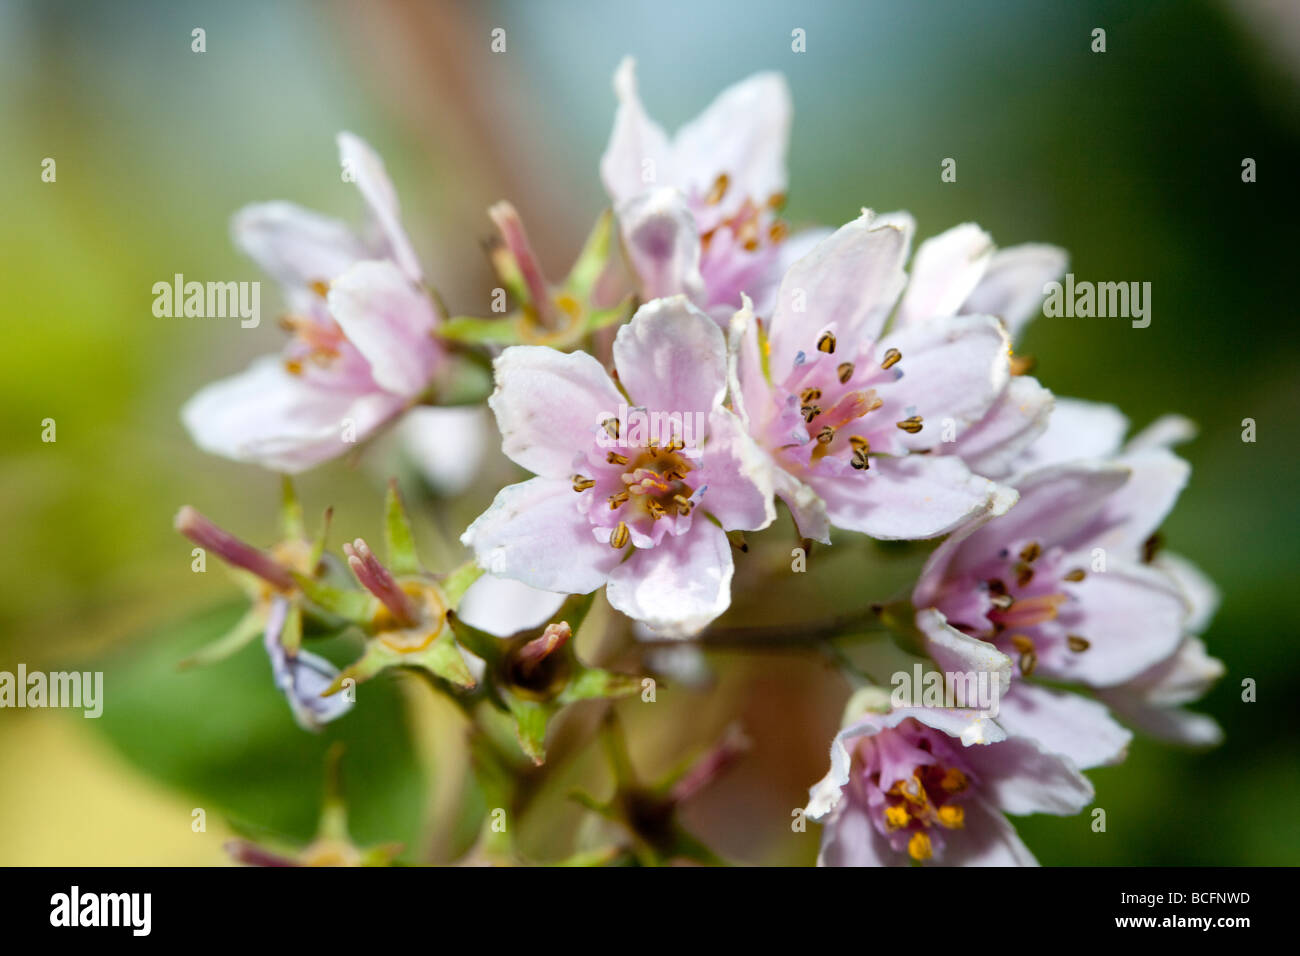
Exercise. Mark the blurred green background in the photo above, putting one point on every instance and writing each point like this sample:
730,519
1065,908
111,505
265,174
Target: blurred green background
1130,159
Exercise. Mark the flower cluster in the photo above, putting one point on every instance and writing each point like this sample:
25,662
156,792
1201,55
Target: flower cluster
701,363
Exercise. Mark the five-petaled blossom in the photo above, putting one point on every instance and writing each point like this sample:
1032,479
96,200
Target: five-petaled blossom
926,785
851,415
641,509
699,212
362,347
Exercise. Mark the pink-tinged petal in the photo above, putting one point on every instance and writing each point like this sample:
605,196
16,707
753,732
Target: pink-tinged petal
1131,615
1151,701
1201,594
987,839
503,607
906,498
672,357
1136,510
679,586
662,244
1012,285
790,251
849,839
281,421
958,653
549,404
806,506
744,134
391,323
1077,430
1057,506
968,726
448,445
993,445
1020,776
1068,724
953,370
295,246
637,157
849,280
377,189
739,476
533,533
945,271
750,393
1165,432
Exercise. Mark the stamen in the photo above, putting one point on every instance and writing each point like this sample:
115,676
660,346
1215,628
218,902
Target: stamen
777,231
1151,546
826,343
911,425
845,372
861,448
810,395
892,358
618,500
918,848
826,435
320,287
1027,663
897,817
1002,601
954,781
293,366
952,816
1024,574
1078,574
614,458
809,412
1022,364
1078,644
611,427
684,504
582,482
1022,643
656,510
718,190
619,537
1030,552
776,200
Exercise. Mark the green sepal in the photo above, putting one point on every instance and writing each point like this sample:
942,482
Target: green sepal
592,260
531,718
236,639
593,683
472,330
354,606
291,511
403,560
291,635
455,583
481,643
441,658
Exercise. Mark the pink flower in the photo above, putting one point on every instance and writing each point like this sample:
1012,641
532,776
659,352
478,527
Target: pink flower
698,212
850,415
362,346
923,785
614,502
961,272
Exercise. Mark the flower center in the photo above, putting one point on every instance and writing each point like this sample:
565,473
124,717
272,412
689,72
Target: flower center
1029,595
928,799
649,483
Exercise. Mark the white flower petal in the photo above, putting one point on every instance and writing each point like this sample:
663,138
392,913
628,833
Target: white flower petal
356,156
679,586
945,271
390,322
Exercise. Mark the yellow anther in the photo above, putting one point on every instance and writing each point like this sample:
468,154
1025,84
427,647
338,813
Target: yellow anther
919,848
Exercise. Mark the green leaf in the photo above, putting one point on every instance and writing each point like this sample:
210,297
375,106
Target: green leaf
224,737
